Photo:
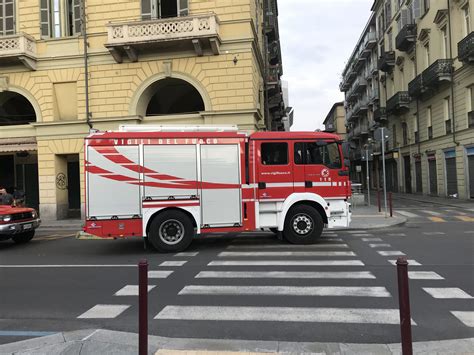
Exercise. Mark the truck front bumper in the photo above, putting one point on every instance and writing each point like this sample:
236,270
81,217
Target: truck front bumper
19,227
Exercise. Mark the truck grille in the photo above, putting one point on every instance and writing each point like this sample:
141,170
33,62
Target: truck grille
21,216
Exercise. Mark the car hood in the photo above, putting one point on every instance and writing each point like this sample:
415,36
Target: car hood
11,210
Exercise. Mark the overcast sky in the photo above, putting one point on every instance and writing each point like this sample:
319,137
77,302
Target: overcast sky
317,37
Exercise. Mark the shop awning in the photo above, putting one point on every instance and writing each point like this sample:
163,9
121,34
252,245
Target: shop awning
12,145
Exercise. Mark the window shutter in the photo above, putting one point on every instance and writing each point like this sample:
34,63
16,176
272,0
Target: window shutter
146,9
76,16
404,17
183,8
388,14
45,20
416,6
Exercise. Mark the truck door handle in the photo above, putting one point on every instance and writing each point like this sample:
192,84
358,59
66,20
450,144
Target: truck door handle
343,173
308,184
262,185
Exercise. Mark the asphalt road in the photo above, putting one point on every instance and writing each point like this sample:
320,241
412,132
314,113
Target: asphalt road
342,290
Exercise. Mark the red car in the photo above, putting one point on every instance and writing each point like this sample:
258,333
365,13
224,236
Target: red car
18,223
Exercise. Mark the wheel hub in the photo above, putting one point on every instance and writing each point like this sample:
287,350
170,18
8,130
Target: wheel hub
302,224
171,232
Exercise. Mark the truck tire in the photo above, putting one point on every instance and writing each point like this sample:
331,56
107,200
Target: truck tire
171,231
303,225
23,238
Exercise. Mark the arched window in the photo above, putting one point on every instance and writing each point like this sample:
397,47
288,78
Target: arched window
15,109
173,96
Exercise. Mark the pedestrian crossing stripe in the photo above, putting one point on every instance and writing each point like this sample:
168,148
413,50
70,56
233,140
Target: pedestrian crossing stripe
131,290
465,218
282,246
424,275
437,219
447,293
466,317
104,311
284,253
349,291
411,262
282,314
407,214
285,275
286,263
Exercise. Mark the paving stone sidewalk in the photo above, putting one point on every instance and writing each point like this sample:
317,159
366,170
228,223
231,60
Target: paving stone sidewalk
101,341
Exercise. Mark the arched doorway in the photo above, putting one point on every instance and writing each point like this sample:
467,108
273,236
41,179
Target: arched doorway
173,96
15,109
18,156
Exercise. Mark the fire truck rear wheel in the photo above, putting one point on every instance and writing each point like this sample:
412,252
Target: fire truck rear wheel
171,231
303,225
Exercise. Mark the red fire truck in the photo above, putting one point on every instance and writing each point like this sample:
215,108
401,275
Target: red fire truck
170,184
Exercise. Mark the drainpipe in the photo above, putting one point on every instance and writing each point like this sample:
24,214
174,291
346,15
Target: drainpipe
266,118
453,118
417,99
86,62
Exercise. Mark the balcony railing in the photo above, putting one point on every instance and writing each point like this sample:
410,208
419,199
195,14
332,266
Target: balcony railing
438,71
18,48
406,37
364,128
466,49
380,114
416,87
359,84
374,95
360,106
386,61
273,75
198,32
370,40
398,102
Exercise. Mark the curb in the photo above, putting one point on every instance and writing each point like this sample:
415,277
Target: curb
402,221
433,202
92,341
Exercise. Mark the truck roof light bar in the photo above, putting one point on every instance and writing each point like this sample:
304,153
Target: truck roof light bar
177,128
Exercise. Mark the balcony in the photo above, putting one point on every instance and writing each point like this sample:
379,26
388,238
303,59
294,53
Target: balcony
380,114
441,70
18,49
466,49
386,61
193,32
370,40
360,106
364,128
406,37
274,53
416,87
359,85
374,96
273,76
330,127
398,103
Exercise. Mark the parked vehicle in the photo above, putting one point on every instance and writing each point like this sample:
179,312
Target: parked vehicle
18,223
170,184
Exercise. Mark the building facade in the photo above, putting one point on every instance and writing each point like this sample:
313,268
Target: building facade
335,121
68,66
426,82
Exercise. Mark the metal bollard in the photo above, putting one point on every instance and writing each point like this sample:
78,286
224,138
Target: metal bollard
143,307
390,203
379,203
404,302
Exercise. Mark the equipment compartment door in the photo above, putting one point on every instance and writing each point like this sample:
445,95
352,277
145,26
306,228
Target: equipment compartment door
220,185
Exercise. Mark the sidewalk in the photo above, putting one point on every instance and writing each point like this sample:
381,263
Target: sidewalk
74,225
101,341
453,202
368,217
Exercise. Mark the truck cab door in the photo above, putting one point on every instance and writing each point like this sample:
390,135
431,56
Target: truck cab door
274,170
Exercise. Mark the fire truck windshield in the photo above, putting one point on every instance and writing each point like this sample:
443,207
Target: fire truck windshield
315,153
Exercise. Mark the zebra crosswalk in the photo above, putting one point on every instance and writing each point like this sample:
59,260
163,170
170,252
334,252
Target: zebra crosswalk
444,216
279,283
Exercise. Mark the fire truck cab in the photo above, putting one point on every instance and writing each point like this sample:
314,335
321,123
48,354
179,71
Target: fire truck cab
171,184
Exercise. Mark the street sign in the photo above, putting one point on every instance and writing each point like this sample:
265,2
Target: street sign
378,134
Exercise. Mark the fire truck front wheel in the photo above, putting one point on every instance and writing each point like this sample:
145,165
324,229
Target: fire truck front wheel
303,225
171,231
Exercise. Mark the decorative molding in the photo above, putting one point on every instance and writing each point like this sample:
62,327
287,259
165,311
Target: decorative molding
4,81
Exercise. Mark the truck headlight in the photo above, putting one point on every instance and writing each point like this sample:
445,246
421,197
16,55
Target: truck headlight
6,218
34,214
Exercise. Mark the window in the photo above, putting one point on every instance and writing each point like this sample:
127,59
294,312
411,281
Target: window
427,54
394,136
415,130
429,123
446,102
388,12
274,153
467,19
60,18
153,9
318,153
444,35
426,6
7,17
405,133
390,40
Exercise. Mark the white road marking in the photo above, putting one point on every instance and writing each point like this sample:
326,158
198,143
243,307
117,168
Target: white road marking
397,234
282,314
433,213
434,233
390,252
281,246
284,253
469,232
380,245
329,239
161,274
131,290
407,214
446,292
285,275
356,291
286,263
411,262
467,317
424,275
371,239
104,311
187,254
173,263
355,232
362,235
